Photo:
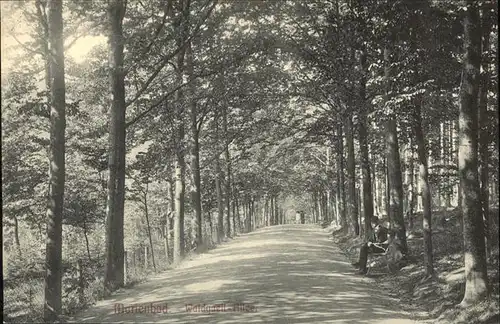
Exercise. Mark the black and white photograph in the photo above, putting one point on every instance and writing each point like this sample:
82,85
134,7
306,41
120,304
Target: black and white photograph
250,161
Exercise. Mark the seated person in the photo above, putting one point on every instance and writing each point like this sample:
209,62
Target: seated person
379,237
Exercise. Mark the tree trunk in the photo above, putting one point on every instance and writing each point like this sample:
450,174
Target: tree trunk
238,217
376,189
114,276
220,205
394,165
340,177
439,193
351,178
254,214
363,146
233,206
86,236
411,186
273,221
146,213
180,164
387,200
167,237
476,280
16,236
53,276
195,150
426,191
245,214
228,172
484,127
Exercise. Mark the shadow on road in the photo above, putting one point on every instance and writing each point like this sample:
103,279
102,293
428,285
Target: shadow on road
281,274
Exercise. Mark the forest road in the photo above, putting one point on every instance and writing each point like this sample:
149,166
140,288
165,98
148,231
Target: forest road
278,274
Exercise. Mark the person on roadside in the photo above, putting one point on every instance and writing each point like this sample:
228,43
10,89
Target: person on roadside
377,243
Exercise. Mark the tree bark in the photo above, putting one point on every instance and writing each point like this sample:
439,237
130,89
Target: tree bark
146,213
220,205
484,126
411,185
351,177
387,200
238,217
180,164
195,150
363,145
53,248
167,237
476,280
114,276
16,236
394,164
228,172
340,177
426,191
233,206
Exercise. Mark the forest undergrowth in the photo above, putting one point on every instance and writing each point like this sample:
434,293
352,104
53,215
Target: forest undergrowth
433,299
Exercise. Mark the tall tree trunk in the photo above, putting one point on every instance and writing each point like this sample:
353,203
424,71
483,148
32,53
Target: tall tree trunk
411,185
146,213
228,172
180,164
387,200
315,206
233,206
220,205
53,276
426,190
484,126
272,211
340,177
438,172
114,275
195,150
394,164
276,207
254,214
377,197
167,237
476,280
329,211
363,145
238,217
351,177
245,214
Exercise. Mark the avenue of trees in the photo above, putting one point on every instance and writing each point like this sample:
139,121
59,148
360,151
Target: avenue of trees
195,121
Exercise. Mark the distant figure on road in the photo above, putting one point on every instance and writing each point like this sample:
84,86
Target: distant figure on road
300,217
379,237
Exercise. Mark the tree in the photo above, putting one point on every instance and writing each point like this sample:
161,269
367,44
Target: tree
476,280
423,178
484,124
57,88
179,132
114,273
393,158
351,177
195,148
363,143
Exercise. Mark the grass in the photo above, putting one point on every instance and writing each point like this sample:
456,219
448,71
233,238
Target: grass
434,298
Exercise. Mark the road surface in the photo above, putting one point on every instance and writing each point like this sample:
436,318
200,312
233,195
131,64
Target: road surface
279,274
